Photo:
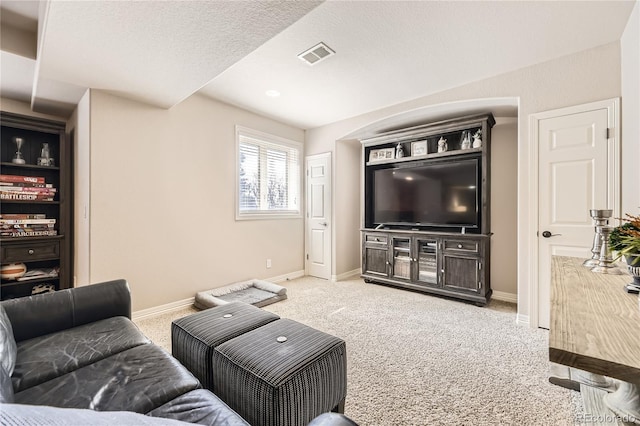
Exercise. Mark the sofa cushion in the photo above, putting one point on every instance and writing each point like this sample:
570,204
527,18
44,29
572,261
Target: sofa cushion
46,357
138,379
36,415
8,346
67,308
200,407
8,350
6,388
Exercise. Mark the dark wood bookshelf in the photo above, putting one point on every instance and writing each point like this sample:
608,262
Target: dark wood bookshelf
37,251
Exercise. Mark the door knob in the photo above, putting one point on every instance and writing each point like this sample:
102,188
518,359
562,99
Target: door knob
324,224
548,234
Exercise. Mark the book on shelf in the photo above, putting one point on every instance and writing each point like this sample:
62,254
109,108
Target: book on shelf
27,227
26,221
23,216
23,233
25,196
25,185
29,189
18,178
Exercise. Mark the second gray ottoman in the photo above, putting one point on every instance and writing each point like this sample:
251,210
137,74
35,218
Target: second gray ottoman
193,338
283,373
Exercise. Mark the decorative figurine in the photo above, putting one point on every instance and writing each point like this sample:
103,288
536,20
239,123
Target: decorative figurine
442,144
399,151
18,159
466,140
45,156
477,139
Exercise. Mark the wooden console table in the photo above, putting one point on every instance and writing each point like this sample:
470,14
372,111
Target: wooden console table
595,327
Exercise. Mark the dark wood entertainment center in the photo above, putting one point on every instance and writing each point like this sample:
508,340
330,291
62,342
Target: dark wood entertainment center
443,255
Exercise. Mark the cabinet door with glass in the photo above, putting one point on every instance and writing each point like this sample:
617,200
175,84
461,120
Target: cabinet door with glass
426,261
401,257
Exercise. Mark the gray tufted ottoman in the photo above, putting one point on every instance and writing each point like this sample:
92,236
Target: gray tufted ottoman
193,338
283,373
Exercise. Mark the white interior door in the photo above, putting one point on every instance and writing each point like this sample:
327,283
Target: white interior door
318,194
574,175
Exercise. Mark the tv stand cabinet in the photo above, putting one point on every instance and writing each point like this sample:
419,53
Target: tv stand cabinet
447,264
438,260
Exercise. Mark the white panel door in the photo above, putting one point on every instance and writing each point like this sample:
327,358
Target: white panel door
318,193
573,177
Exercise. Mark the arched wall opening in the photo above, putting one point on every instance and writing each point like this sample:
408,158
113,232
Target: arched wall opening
348,188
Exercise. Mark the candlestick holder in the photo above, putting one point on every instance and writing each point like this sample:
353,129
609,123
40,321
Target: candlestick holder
600,218
605,262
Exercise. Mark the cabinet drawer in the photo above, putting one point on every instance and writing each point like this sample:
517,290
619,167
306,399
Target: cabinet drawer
462,245
25,252
372,238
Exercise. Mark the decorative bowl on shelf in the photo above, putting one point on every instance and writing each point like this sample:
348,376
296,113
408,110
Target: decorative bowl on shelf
12,271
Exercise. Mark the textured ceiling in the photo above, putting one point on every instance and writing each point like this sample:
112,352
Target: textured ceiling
158,52
387,52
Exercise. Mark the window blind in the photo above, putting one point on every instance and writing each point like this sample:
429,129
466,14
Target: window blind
268,176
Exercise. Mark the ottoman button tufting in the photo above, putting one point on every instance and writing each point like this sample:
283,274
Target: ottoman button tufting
281,339
227,316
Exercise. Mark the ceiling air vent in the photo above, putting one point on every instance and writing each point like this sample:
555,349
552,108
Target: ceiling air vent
316,54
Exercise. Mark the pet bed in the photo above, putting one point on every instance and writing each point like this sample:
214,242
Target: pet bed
256,292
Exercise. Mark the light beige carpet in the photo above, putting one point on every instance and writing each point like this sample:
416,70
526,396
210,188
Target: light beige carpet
415,359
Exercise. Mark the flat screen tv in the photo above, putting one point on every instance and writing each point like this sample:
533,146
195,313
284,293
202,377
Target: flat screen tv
425,195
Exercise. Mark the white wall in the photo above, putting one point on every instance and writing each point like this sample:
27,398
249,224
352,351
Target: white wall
162,200
347,202
571,80
630,56
79,130
504,207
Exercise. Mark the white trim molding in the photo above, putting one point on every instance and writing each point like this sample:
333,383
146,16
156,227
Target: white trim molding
522,320
346,275
286,277
505,297
162,309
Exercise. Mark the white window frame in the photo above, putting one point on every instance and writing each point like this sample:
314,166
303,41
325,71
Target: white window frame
276,140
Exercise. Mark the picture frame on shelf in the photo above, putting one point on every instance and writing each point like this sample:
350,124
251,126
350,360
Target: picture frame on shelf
418,148
382,154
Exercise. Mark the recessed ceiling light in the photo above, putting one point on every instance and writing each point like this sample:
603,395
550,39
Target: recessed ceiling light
272,93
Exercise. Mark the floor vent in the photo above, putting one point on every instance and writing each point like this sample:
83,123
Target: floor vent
316,54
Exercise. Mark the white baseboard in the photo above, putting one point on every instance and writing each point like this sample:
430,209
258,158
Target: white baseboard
173,306
522,319
346,275
286,277
157,310
505,297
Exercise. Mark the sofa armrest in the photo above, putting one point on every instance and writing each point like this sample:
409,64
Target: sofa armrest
42,314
